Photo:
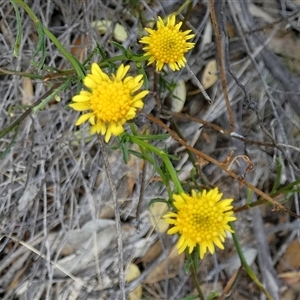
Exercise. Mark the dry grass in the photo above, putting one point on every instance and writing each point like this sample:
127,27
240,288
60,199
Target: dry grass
56,214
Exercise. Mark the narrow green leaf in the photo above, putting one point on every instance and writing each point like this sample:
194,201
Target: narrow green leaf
154,137
278,175
136,153
41,37
213,295
51,96
73,61
19,29
119,46
124,149
41,47
3,154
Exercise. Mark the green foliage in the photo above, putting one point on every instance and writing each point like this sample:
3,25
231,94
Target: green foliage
19,29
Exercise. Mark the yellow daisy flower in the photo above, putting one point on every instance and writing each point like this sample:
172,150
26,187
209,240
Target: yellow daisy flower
200,219
167,44
110,101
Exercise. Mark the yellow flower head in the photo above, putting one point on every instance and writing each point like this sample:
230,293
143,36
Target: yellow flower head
110,101
167,44
201,219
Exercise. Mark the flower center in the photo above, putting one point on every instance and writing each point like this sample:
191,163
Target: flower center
168,45
199,222
111,101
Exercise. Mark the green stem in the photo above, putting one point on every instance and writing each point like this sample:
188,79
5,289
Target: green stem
164,158
19,30
188,3
193,263
123,58
55,92
2,154
23,74
27,112
246,267
74,62
196,283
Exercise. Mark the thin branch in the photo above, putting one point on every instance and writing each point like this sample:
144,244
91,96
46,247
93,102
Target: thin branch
117,215
141,196
221,64
242,181
198,83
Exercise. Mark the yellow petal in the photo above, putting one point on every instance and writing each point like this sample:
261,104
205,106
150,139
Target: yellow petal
95,128
88,82
97,79
159,65
160,23
145,39
177,26
98,72
83,118
116,129
122,72
171,222
80,106
95,69
171,20
211,247
139,104
92,120
107,135
202,251
170,215
85,93
172,230
173,66
138,78
103,128
140,95
183,246
219,244
81,98
131,114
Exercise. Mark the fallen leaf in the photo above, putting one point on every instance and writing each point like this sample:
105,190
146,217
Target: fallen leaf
27,87
291,279
134,272
28,196
156,211
258,12
141,246
285,44
235,263
153,253
178,96
135,166
120,33
79,47
82,245
209,75
102,25
168,268
290,260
